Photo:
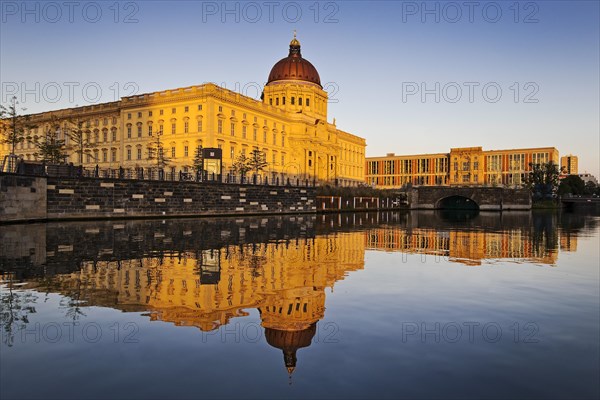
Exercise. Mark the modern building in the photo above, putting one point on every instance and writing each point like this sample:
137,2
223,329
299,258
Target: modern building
586,177
569,164
289,125
461,166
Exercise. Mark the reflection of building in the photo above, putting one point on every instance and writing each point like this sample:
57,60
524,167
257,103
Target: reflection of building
462,166
289,125
285,281
468,247
569,164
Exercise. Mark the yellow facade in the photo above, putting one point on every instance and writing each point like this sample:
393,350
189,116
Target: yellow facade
466,247
461,166
295,135
569,164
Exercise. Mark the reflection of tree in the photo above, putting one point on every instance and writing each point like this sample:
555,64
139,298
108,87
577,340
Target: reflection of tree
544,234
16,307
72,300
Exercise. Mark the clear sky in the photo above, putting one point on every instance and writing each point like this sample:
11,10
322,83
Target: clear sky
505,74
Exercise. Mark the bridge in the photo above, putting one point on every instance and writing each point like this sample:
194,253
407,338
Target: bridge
581,202
469,198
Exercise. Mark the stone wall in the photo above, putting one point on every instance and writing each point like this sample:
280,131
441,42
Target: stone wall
112,198
22,198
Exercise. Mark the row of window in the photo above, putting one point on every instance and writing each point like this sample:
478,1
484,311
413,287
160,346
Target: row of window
292,101
162,111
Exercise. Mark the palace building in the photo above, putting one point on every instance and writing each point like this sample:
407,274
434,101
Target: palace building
289,125
461,166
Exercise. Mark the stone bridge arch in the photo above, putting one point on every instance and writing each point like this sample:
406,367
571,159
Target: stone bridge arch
469,197
456,202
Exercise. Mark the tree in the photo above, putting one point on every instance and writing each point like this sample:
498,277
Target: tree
198,160
590,188
543,179
257,161
241,165
81,142
572,184
13,126
156,152
51,148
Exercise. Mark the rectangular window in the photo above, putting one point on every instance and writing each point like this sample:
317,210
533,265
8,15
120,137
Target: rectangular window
199,107
149,130
299,101
186,109
114,135
139,130
232,129
160,129
173,110
149,113
161,112
283,156
199,125
244,131
282,140
128,154
104,155
265,136
232,152
307,102
277,101
220,126
139,153
128,132
113,154
186,127
173,128
128,115
185,150
274,138
172,152
254,134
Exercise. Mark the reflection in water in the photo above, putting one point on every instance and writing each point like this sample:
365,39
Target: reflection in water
205,272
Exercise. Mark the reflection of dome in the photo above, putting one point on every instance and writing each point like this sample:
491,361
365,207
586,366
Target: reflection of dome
289,342
294,67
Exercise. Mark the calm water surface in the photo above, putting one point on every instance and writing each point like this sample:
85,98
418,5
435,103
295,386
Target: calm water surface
416,305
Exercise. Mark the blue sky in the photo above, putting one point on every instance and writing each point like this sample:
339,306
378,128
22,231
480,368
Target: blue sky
530,68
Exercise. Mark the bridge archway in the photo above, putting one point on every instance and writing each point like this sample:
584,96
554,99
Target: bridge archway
457,203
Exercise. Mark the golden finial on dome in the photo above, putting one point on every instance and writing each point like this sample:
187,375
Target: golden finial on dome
294,41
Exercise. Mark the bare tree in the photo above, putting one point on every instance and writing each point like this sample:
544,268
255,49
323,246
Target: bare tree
13,125
81,142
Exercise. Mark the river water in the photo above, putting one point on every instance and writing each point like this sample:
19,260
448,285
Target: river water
396,305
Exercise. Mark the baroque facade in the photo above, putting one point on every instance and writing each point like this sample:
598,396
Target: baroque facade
461,166
289,125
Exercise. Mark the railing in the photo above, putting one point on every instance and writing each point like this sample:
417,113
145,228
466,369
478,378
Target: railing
154,174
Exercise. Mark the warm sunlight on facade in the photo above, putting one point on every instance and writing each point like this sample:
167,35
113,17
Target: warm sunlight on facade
289,125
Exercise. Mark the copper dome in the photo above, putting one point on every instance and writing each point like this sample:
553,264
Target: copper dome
294,67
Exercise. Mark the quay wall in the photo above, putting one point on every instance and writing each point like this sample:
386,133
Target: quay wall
25,198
